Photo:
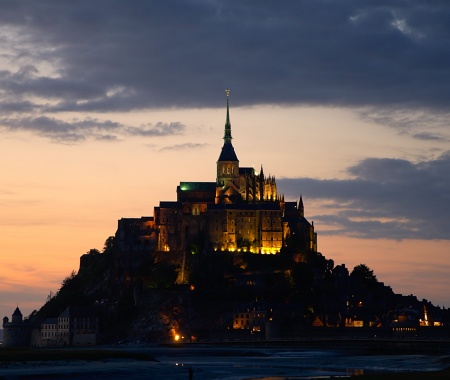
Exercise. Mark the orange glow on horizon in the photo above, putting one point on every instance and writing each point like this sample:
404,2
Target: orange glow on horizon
58,201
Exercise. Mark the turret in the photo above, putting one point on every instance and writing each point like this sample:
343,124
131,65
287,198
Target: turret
261,184
301,208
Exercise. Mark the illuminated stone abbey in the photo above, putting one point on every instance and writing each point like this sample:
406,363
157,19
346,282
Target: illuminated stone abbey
241,211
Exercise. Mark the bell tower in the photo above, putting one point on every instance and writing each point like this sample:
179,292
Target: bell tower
228,163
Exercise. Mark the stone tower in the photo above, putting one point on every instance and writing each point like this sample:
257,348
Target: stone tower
17,332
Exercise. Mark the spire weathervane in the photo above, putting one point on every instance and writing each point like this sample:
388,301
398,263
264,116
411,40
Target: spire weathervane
227,136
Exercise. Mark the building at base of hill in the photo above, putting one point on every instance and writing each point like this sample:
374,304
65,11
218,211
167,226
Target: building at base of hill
75,326
17,332
241,211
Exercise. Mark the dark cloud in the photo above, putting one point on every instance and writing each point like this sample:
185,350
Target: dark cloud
114,55
187,146
159,129
429,137
418,123
385,198
78,130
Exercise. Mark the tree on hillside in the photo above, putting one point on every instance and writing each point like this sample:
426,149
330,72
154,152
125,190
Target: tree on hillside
161,276
362,273
303,275
70,294
109,243
71,283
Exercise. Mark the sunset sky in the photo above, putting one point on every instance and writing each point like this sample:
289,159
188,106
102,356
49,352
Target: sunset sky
106,105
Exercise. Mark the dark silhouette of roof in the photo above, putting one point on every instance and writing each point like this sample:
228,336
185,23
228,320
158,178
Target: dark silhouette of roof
247,171
198,186
169,204
77,312
228,153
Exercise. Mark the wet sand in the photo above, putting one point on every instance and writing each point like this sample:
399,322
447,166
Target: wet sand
231,363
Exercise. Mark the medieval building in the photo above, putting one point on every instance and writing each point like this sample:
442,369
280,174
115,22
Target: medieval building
241,211
17,332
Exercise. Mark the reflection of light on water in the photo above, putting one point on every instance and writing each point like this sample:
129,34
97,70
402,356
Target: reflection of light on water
355,371
303,353
283,363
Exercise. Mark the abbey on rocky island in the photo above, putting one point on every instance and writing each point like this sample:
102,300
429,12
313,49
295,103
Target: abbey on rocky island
241,211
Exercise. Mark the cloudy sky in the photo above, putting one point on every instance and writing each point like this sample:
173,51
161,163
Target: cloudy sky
105,106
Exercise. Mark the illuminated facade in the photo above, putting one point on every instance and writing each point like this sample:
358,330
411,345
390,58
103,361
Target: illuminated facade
240,211
251,317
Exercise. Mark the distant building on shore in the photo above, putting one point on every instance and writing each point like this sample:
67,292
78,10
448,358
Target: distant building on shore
75,326
17,332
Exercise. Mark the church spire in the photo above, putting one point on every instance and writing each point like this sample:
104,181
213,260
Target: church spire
227,136
228,164
228,153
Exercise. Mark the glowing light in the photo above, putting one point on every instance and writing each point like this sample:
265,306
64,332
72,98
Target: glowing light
176,337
